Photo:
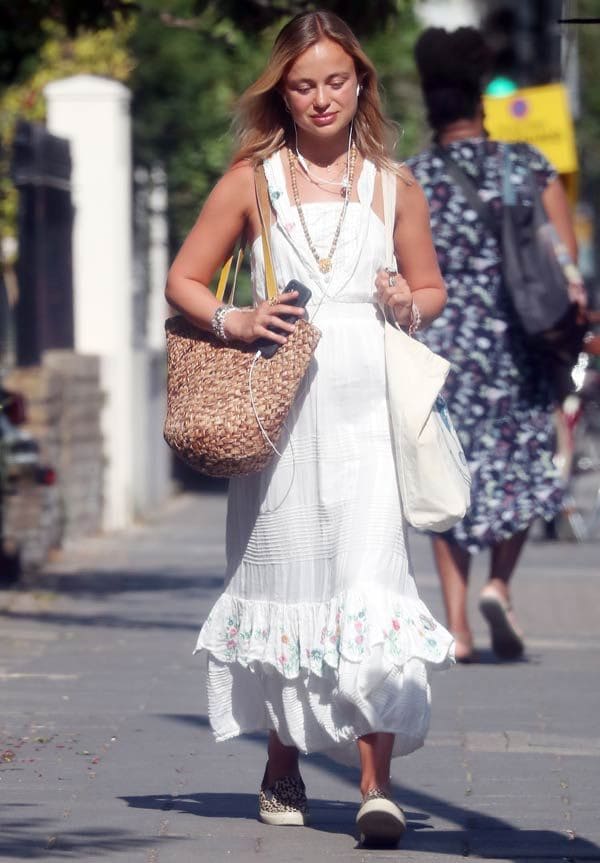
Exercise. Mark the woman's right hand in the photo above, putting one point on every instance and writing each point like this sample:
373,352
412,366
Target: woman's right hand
578,294
248,325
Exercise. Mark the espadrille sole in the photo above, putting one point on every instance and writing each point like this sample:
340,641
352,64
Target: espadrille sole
284,819
380,821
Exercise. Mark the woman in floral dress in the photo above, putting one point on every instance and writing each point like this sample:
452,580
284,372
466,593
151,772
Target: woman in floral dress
498,393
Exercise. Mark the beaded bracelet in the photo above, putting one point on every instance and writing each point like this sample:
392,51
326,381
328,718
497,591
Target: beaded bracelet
218,321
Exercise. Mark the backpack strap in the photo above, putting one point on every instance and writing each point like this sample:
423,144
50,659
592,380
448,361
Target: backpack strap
509,198
469,189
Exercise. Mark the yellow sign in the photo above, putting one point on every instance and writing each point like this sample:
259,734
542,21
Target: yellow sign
539,116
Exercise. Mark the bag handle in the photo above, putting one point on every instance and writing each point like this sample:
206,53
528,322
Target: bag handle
388,188
509,198
223,278
264,212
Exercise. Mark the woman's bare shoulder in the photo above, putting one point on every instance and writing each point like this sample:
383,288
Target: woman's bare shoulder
404,176
237,182
409,192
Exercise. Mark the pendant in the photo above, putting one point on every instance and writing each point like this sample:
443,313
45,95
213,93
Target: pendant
325,265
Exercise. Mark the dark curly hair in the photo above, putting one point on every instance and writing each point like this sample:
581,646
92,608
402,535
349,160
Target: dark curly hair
452,67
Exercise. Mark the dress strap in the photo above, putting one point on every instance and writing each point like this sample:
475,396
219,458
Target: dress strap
365,188
331,284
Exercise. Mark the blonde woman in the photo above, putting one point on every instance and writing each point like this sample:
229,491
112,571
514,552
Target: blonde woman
320,637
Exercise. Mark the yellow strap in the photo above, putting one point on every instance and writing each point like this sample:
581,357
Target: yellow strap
236,272
223,279
264,211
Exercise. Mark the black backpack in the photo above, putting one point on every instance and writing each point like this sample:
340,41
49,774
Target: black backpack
533,267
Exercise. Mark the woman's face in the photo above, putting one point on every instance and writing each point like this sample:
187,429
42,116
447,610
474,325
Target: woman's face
320,89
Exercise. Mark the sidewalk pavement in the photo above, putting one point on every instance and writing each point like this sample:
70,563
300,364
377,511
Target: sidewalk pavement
106,752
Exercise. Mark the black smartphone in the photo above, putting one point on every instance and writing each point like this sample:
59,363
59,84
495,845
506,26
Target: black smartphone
268,348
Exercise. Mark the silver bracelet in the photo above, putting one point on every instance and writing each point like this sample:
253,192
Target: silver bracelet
415,319
218,321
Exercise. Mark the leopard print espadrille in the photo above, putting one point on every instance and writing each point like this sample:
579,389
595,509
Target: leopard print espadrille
283,803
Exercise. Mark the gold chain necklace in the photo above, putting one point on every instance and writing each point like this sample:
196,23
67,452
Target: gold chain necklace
324,264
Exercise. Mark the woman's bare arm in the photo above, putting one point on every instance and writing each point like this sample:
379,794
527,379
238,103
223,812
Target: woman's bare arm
559,212
419,276
229,212
223,219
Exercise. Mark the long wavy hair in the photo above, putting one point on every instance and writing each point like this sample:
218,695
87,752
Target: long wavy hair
263,124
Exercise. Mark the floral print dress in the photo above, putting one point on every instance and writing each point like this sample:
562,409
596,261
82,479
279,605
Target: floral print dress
497,392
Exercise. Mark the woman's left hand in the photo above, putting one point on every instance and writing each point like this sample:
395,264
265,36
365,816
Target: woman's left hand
393,291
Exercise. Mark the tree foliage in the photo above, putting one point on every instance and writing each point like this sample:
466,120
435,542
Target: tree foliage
186,61
256,15
23,28
103,52
193,59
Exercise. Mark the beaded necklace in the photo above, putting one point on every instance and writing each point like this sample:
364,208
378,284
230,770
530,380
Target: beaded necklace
341,185
324,264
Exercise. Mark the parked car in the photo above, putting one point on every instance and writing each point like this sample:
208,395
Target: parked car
20,469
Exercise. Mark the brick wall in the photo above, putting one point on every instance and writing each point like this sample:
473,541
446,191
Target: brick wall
64,401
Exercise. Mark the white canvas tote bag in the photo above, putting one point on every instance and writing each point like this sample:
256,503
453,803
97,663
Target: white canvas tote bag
433,475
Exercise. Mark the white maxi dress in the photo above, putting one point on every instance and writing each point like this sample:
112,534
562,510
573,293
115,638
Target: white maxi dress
320,633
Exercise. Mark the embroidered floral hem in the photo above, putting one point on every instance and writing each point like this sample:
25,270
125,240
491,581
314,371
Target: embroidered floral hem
321,675
316,636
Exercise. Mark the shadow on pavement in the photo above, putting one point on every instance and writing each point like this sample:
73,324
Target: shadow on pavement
481,836
101,583
34,839
486,656
477,834
76,596
107,620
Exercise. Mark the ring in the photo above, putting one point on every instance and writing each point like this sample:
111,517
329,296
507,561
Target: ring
273,301
392,281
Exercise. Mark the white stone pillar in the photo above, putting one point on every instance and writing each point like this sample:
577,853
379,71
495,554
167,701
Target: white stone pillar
158,258
152,456
94,114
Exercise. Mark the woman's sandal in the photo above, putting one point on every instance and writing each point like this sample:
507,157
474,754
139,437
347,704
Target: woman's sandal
380,820
464,651
507,638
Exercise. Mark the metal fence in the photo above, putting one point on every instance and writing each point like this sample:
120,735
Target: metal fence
41,171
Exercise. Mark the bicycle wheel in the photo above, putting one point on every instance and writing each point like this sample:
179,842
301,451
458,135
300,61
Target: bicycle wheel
582,504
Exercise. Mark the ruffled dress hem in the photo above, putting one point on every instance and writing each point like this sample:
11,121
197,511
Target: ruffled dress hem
323,674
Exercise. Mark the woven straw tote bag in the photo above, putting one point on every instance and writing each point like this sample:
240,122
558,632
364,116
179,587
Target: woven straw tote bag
226,404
